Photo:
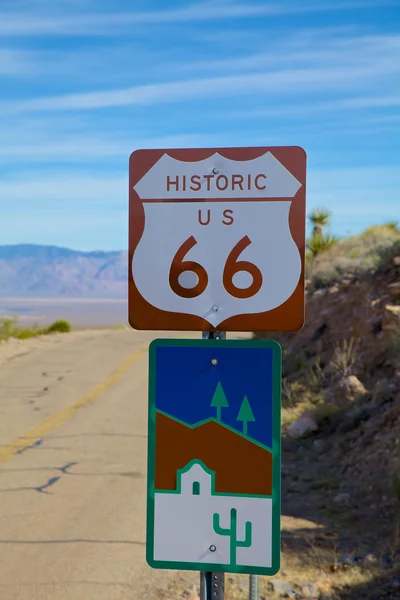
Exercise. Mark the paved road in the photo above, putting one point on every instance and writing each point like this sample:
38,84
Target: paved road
72,506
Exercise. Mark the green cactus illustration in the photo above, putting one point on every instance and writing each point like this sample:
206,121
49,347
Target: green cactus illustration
232,532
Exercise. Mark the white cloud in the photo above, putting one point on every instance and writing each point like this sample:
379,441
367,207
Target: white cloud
273,82
363,178
367,193
335,107
369,102
24,24
70,189
357,197
88,149
85,230
317,48
297,64
15,62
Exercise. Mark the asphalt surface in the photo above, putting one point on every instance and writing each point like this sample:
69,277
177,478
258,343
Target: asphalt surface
73,432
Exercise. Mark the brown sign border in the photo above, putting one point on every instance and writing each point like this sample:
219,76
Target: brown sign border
287,317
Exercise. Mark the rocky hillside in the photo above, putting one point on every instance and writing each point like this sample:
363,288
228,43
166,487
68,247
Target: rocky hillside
341,421
344,365
28,270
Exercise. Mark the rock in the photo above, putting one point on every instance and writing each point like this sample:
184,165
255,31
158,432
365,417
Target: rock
339,566
396,261
303,425
319,332
375,325
192,593
385,562
319,444
369,560
281,587
342,498
333,289
382,386
352,386
391,318
394,287
310,591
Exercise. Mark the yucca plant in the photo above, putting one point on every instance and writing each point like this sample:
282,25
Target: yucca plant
319,243
320,218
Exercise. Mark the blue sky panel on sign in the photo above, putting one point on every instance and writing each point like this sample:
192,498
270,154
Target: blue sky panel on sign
187,381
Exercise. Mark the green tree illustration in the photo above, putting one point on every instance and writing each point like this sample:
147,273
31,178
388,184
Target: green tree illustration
219,400
245,414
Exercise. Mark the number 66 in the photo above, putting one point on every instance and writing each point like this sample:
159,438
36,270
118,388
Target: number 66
232,266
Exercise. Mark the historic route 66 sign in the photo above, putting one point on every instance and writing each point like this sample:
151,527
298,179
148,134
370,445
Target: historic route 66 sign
216,239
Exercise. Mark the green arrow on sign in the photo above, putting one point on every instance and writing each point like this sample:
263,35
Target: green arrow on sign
219,400
245,414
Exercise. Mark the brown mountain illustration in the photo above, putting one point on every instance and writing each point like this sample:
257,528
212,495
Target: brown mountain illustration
241,467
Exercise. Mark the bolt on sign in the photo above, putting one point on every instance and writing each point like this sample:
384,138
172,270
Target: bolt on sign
214,456
217,239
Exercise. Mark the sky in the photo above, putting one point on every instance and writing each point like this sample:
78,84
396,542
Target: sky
186,382
84,83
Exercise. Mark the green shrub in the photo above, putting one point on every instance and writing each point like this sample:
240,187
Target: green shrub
24,334
396,486
345,357
358,256
318,243
8,327
394,349
62,326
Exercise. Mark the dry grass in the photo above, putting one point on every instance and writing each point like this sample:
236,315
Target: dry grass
356,256
345,358
9,329
313,565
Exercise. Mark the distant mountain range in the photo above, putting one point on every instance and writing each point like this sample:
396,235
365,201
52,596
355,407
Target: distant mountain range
30,270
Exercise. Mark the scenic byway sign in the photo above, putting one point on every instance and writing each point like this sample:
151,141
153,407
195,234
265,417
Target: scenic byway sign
217,239
214,456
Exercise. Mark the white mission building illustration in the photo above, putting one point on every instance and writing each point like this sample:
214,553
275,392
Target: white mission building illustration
197,525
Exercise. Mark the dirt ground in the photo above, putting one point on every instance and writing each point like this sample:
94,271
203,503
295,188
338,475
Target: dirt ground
331,549
340,535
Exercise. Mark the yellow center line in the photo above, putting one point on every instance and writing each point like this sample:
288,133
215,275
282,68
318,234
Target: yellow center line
38,432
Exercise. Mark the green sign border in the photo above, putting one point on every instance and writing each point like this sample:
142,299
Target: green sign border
276,456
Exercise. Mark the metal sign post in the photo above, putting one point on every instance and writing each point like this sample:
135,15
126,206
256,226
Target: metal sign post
211,586
253,587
